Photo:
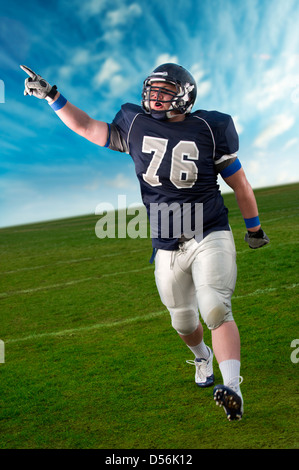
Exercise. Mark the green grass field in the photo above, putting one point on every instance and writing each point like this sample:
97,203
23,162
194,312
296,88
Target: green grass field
91,360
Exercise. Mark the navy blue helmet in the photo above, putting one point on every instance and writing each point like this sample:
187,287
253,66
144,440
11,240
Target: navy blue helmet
182,100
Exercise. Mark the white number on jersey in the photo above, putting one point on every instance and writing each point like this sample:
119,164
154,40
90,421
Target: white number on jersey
183,171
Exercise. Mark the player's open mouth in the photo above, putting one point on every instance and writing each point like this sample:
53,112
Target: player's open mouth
158,104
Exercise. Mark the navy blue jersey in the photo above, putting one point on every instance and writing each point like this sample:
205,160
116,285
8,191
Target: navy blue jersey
178,162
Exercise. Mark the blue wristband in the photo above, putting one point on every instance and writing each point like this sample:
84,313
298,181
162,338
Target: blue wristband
252,222
59,103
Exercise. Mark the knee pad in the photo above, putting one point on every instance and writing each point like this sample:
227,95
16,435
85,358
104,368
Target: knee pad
184,320
216,316
214,309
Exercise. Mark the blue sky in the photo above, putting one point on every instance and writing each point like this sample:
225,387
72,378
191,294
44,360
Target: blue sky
244,55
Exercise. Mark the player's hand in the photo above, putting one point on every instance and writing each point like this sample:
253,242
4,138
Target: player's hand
256,239
36,86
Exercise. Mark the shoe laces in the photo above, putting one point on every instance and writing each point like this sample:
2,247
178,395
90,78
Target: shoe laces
201,367
232,383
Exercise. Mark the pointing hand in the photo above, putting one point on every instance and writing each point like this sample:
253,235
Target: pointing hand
36,86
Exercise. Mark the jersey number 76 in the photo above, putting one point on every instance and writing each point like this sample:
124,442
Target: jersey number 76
183,170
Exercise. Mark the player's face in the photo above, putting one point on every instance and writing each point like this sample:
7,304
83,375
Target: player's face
161,95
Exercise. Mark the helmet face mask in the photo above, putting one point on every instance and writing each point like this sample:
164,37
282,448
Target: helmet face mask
180,100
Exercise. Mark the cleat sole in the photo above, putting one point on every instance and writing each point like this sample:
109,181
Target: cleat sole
228,399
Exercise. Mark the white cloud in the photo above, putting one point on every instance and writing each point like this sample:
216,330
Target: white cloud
262,56
253,167
121,181
277,83
92,7
290,143
113,36
165,59
78,59
278,126
203,86
262,174
203,89
93,185
65,72
82,57
107,71
123,14
238,125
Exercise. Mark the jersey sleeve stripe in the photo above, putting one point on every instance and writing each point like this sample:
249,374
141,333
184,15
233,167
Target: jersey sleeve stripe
225,158
129,131
211,132
109,135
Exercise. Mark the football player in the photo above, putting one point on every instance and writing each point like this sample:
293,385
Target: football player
178,155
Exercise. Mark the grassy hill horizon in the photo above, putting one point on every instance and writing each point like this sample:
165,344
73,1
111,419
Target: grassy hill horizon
91,360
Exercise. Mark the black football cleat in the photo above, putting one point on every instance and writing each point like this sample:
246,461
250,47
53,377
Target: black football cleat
231,401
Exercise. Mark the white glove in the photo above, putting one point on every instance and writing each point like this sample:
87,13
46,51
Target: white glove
36,86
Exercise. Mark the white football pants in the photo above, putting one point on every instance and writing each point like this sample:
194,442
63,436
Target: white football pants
198,276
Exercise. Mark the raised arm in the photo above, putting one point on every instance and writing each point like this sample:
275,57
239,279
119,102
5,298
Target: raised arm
77,120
